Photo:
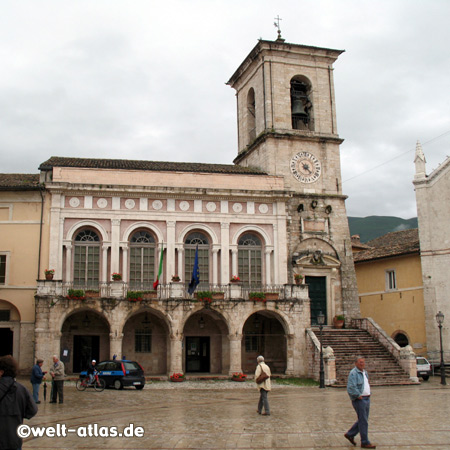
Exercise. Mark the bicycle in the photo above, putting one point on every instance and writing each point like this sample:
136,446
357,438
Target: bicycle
98,384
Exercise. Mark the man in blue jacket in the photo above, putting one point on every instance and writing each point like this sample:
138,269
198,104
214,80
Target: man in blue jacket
36,379
358,389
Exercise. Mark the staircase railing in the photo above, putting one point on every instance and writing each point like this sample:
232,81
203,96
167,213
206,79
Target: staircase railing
404,355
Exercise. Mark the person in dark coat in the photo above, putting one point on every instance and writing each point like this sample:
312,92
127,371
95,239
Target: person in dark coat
16,404
36,379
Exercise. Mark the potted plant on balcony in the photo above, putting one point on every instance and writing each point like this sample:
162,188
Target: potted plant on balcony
339,321
176,278
238,376
147,295
298,278
272,295
49,273
257,297
134,296
116,276
76,294
205,296
235,279
216,295
92,293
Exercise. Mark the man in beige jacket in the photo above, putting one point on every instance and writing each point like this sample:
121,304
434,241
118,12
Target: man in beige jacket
58,375
263,387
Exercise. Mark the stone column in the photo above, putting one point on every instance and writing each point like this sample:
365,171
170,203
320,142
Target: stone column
235,353
215,252
234,261
55,228
268,252
68,263
115,344
105,277
290,341
170,254
115,239
125,262
176,354
180,272
225,253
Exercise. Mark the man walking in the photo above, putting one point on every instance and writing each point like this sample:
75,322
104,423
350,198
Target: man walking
58,375
36,379
358,389
263,385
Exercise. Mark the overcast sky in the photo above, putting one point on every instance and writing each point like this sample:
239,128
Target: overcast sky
142,79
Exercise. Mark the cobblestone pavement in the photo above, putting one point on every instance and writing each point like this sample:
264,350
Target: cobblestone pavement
222,415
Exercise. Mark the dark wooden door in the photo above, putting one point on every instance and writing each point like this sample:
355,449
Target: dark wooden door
318,296
197,354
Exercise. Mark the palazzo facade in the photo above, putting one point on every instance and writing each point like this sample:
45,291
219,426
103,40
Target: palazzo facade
278,211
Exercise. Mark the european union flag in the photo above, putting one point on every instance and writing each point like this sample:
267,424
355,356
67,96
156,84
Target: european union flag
195,275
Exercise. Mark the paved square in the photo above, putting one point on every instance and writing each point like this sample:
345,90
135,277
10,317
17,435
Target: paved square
222,415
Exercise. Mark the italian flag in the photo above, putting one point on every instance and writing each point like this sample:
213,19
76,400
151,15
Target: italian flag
155,284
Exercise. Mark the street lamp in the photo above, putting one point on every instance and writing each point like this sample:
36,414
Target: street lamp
440,321
321,321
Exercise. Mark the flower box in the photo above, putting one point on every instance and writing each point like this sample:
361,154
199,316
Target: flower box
257,297
92,294
240,377
218,296
149,295
177,377
272,295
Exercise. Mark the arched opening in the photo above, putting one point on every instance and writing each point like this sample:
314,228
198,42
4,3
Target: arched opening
145,340
250,259
251,115
194,240
142,260
9,329
86,264
206,346
401,339
84,337
264,334
301,104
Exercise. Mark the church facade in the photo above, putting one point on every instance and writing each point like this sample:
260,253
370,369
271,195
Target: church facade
116,226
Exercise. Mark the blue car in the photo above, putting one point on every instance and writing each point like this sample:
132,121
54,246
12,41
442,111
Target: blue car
119,373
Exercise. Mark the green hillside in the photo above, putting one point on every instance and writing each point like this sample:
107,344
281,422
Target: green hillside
372,227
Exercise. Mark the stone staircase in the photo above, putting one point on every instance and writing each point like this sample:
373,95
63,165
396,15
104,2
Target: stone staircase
383,368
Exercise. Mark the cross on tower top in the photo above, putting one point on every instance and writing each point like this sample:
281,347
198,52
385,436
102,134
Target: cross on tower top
277,25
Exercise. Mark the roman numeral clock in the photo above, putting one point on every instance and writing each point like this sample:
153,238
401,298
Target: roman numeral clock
305,167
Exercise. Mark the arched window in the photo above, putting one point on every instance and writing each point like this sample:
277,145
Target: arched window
86,264
251,116
190,245
142,260
301,104
250,259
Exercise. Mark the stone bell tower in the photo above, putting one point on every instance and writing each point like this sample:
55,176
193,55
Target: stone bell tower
287,127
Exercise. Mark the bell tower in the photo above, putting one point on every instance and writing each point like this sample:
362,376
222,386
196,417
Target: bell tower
287,127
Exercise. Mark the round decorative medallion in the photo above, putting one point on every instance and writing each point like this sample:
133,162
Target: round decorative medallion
263,208
237,207
102,203
129,204
157,204
211,206
184,206
305,167
74,202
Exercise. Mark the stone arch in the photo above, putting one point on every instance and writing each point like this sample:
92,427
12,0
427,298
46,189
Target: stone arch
249,229
401,338
86,224
265,332
9,329
200,227
84,335
206,343
251,116
142,225
146,339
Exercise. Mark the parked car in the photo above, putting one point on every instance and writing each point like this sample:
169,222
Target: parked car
119,373
423,368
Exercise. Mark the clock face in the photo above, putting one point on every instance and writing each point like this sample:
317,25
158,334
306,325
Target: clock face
305,167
